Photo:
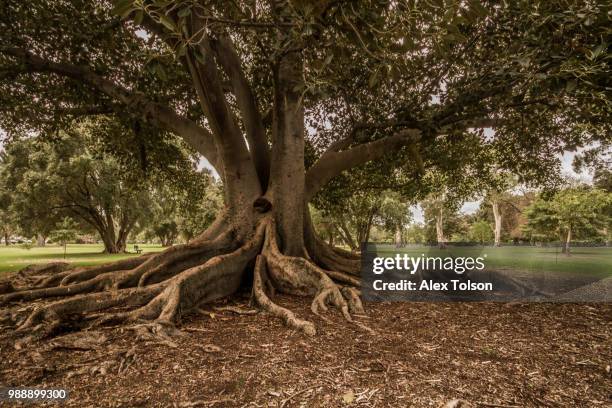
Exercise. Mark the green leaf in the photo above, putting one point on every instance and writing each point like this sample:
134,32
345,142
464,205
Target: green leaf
167,22
123,8
184,12
374,79
138,17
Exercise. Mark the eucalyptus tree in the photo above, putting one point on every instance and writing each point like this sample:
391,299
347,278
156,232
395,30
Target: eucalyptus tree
510,212
406,81
496,196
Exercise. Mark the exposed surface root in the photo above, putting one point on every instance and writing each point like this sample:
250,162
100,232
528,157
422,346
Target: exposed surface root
343,278
162,302
335,259
127,273
56,312
353,299
83,274
262,299
297,275
183,257
158,289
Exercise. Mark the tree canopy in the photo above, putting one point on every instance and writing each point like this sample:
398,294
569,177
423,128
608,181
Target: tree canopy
575,212
73,173
283,97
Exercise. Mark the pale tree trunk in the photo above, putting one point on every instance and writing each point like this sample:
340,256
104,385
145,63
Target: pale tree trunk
498,222
345,233
398,237
566,243
41,240
440,230
363,231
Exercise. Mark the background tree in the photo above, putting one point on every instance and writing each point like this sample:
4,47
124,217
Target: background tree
416,233
602,179
351,213
413,83
481,232
570,213
496,196
25,197
8,221
76,174
74,179
511,208
324,226
440,211
186,209
394,216
64,232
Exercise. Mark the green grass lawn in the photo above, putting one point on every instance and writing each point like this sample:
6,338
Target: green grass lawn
15,257
591,261
588,261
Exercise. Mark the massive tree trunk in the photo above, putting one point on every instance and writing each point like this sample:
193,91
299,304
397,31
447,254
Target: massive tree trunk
498,222
6,239
263,238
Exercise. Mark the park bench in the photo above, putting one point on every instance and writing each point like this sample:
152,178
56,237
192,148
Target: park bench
137,249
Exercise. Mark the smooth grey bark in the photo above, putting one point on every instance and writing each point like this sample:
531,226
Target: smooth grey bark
498,222
440,229
399,242
567,241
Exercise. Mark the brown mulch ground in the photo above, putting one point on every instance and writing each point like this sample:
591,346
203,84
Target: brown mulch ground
421,355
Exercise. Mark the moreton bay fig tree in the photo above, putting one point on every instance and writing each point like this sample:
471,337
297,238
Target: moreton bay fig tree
281,97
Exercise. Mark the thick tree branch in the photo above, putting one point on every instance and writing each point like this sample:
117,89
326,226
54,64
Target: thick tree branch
247,104
332,163
212,99
196,136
